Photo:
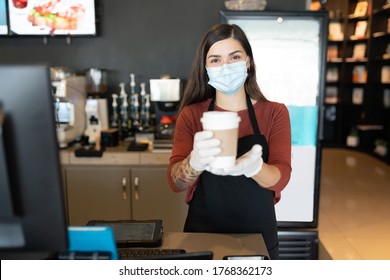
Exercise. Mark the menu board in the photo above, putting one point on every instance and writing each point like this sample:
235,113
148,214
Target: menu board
3,18
52,17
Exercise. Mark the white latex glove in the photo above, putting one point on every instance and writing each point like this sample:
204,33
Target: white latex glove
204,150
248,164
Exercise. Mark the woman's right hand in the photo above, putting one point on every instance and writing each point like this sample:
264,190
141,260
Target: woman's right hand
204,150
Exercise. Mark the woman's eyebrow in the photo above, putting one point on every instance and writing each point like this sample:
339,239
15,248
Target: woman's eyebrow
230,54
237,51
213,55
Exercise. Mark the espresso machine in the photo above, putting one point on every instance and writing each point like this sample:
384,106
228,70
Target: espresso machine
165,95
69,102
96,107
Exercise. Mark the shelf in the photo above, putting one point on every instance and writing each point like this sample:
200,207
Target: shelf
356,60
360,57
335,60
355,39
356,84
369,127
383,9
331,103
380,34
332,83
357,18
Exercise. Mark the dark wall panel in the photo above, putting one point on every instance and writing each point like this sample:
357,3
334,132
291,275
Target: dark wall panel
146,37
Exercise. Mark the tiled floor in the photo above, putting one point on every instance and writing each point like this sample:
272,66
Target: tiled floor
354,216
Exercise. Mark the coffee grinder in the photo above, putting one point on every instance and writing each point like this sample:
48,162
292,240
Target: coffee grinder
96,107
165,94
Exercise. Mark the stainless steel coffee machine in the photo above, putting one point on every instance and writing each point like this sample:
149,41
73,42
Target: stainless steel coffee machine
69,101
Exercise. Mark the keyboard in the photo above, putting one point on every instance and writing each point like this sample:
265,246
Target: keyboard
148,253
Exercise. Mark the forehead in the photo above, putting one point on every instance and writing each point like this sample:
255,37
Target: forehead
225,47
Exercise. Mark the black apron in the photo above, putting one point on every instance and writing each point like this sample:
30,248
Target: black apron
235,204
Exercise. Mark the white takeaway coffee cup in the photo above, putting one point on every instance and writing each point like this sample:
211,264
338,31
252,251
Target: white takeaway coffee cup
224,126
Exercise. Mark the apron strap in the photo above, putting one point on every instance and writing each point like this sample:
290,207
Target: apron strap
252,116
212,102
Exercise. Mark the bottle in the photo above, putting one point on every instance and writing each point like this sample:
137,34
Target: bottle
132,83
147,109
143,117
124,112
134,104
114,106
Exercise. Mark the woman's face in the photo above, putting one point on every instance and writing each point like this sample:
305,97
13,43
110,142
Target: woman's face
226,51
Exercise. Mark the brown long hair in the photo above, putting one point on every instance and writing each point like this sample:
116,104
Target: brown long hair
197,88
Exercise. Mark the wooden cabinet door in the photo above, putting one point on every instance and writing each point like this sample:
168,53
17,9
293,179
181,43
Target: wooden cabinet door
152,198
98,193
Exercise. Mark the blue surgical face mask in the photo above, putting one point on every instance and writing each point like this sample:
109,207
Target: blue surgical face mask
228,78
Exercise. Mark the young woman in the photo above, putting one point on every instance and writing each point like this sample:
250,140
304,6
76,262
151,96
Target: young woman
239,199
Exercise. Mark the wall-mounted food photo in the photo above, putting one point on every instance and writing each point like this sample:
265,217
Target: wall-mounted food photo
52,17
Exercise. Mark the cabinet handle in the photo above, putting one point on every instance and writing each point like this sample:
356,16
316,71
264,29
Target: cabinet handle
136,192
124,183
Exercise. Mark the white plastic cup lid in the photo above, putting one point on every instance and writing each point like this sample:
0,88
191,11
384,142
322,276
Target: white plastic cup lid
220,120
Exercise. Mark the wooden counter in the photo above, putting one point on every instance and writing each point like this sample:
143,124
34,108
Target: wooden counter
117,156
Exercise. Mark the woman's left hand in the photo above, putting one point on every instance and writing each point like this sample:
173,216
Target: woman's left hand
248,164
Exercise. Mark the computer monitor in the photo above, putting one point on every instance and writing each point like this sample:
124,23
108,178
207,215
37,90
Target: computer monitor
32,212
